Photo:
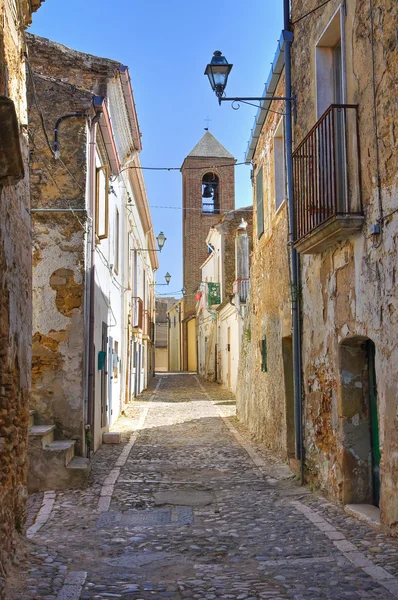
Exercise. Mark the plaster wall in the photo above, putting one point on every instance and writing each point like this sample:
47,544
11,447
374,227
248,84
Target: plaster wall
161,360
229,318
349,291
192,346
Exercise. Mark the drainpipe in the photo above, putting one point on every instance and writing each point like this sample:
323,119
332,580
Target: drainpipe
90,281
297,382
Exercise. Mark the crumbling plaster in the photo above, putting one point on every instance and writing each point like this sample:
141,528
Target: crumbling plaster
349,291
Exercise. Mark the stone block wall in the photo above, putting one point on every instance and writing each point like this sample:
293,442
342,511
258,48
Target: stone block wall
15,297
349,291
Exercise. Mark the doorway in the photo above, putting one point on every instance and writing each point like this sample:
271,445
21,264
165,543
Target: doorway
104,375
287,355
359,421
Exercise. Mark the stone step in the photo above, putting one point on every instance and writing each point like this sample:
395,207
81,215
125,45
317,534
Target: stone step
42,435
79,462
32,418
66,447
56,468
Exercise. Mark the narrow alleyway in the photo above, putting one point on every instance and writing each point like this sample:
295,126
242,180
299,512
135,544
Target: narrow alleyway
187,507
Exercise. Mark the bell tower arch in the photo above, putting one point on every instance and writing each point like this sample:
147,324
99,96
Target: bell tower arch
208,191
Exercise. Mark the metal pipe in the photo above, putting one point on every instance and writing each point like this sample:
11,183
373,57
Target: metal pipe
75,115
60,210
297,381
90,282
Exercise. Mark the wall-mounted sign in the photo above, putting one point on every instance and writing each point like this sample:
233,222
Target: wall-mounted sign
213,293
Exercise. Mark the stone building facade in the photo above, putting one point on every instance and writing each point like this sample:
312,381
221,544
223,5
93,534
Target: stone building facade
15,275
344,64
346,54
93,292
265,384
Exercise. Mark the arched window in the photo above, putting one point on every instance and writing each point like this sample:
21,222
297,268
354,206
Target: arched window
210,194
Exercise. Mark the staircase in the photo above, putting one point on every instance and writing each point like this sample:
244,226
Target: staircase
52,463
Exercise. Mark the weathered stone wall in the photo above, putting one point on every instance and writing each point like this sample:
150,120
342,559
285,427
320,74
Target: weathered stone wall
349,291
263,402
15,298
58,252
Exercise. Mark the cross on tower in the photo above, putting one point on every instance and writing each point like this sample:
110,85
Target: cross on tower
208,120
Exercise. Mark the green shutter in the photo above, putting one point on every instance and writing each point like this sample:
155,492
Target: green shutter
263,345
260,202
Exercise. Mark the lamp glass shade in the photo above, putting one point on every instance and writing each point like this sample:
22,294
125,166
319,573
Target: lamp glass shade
161,240
167,278
184,290
218,71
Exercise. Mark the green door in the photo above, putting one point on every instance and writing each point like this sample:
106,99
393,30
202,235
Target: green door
374,424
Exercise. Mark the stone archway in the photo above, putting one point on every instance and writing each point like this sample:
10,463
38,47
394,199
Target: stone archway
358,421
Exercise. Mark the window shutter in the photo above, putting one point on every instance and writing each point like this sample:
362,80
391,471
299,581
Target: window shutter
260,202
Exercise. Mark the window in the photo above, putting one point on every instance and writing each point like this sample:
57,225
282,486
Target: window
210,194
279,165
116,251
101,203
260,202
330,89
329,62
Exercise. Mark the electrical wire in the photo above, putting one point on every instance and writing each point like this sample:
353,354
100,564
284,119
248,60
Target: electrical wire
310,12
140,168
37,103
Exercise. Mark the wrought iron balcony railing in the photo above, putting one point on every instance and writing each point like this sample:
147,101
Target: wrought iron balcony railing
327,182
241,287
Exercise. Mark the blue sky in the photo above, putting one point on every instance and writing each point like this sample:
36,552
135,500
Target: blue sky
166,46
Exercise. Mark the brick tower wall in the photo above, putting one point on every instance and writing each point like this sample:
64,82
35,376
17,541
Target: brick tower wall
195,224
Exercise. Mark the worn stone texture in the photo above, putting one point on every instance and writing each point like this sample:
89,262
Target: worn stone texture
264,399
15,295
58,247
349,291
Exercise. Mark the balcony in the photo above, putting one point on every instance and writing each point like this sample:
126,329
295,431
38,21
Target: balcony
241,288
327,181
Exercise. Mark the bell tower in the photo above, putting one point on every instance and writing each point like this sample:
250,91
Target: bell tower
208,191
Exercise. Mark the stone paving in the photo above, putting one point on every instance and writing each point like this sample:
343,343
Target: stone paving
188,507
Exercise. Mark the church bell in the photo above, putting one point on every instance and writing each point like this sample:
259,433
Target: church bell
208,191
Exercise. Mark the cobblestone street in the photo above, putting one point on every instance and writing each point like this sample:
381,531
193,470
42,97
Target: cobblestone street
189,507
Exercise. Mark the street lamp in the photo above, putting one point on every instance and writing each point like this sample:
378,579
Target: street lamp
218,71
161,238
167,278
184,290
